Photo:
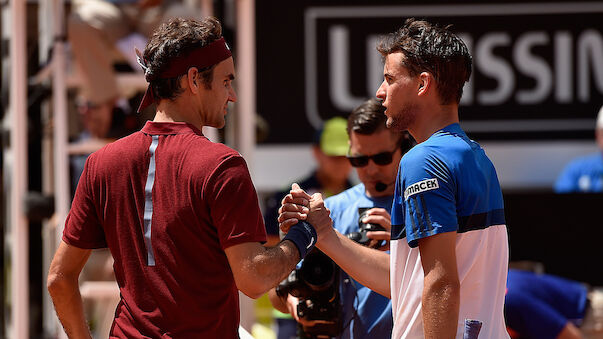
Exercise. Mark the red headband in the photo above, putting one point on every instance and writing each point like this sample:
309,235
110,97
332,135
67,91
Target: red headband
200,58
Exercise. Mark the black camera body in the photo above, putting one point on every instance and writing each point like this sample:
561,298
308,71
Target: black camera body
316,284
360,237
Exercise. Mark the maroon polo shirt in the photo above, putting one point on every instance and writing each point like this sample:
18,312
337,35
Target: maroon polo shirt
167,202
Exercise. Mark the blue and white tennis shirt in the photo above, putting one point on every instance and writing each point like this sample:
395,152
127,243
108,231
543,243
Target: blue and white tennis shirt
448,184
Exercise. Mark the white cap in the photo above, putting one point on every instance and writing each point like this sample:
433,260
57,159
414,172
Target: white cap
600,119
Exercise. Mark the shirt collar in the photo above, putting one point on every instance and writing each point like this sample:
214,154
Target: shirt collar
166,128
453,128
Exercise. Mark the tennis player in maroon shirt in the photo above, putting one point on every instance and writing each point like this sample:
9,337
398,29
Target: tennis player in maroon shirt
179,213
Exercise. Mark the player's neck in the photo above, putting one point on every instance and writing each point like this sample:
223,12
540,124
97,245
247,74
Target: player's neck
437,118
178,110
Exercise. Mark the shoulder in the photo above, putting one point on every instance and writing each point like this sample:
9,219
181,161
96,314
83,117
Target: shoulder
593,159
440,145
346,197
428,157
221,158
442,150
118,150
203,156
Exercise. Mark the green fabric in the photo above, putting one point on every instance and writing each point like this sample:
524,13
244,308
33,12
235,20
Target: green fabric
334,137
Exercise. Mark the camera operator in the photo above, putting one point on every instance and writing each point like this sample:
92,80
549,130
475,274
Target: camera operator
375,152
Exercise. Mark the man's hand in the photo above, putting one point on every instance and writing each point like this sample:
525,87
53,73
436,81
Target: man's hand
382,218
298,205
292,303
294,207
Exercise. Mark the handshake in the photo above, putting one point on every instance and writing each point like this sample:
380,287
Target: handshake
300,211
304,218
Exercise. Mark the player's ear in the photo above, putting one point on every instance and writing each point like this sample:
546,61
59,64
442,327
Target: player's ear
192,80
425,83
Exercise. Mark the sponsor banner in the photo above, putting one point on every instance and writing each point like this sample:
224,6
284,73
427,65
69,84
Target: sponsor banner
537,67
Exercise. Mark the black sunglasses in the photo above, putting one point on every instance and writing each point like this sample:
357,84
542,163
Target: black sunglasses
381,159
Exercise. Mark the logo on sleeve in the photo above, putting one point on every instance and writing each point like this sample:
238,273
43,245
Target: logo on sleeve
421,186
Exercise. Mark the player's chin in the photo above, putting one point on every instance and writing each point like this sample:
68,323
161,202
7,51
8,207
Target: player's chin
219,123
389,122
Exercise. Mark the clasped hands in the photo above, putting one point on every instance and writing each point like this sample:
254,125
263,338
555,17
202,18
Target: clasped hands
299,205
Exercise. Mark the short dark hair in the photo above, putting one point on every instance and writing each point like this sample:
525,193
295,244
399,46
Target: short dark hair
437,50
369,118
175,38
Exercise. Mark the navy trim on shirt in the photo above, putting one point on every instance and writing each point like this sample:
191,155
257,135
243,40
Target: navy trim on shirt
472,222
481,221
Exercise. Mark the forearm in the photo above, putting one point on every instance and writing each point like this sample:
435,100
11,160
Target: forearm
368,266
67,302
441,300
277,302
269,267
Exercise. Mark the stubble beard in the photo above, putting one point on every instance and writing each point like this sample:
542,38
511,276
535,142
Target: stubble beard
403,120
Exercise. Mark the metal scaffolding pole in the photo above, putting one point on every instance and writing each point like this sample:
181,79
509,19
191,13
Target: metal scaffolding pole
59,100
18,142
246,79
60,122
207,9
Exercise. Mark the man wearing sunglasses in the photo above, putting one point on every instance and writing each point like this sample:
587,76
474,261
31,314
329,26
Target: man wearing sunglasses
449,253
374,151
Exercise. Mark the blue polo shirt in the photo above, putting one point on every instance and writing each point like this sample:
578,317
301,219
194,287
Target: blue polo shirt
445,184
584,174
540,305
366,314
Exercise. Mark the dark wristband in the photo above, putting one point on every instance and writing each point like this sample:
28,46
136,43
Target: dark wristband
303,235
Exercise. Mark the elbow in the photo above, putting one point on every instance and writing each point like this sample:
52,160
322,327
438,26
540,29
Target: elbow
253,295
251,285
451,287
60,283
444,288
55,284
252,290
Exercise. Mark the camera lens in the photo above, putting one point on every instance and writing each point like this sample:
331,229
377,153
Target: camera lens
318,271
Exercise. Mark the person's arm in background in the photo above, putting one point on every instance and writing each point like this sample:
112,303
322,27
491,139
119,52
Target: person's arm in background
64,289
441,286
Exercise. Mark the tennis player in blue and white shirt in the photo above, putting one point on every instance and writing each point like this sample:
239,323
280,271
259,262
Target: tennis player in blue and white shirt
447,186
449,248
